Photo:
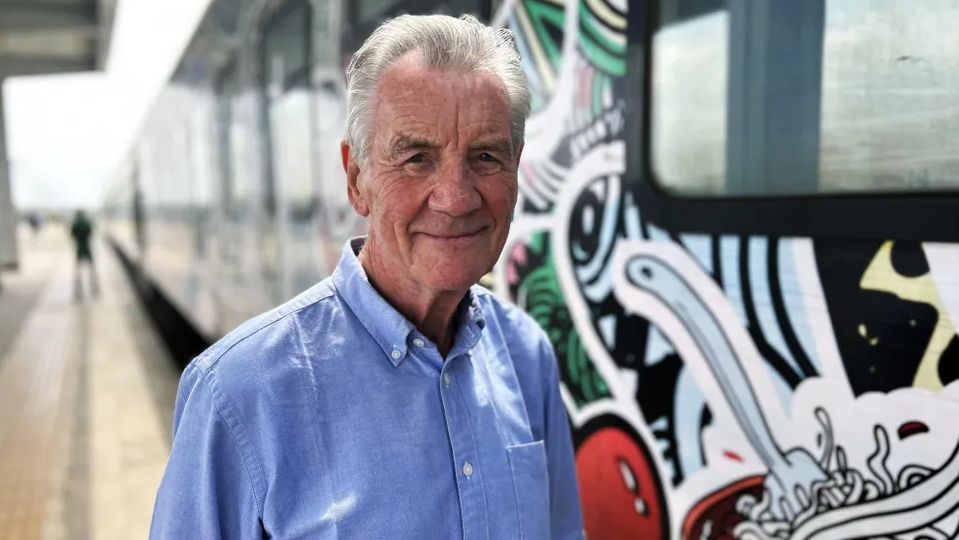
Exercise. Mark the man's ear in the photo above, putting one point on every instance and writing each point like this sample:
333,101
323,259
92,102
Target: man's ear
352,169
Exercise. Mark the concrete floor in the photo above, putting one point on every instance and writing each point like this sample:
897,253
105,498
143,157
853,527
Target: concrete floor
86,400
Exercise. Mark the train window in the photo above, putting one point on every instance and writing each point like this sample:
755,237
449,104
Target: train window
797,98
287,47
363,16
288,63
287,66
233,191
373,9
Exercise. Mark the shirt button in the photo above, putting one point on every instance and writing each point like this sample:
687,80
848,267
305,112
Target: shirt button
467,469
446,378
396,354
418,342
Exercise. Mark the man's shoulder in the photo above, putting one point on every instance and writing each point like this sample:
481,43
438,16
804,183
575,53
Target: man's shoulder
267,336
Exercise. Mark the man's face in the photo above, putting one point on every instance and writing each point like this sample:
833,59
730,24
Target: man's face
439,184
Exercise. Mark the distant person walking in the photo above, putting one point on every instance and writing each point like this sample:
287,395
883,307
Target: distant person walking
35,221
82,232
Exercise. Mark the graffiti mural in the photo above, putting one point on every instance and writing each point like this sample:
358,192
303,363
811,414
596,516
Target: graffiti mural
722,386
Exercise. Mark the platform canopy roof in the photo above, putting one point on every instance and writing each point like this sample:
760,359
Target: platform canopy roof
54,36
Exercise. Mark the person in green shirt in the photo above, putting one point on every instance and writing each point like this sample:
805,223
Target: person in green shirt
82,232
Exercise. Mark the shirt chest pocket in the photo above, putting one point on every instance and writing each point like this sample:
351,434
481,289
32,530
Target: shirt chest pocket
527,463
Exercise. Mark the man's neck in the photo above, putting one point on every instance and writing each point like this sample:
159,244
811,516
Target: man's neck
434,314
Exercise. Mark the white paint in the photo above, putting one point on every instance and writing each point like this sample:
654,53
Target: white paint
817,313
944,267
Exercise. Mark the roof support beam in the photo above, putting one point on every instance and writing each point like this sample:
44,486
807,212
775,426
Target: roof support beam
32,16
43,65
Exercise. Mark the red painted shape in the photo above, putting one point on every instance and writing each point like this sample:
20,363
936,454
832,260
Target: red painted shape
733,455
914,427
609,506
719,510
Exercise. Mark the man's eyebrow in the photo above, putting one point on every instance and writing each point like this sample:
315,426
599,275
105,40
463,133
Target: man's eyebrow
502,146
403,142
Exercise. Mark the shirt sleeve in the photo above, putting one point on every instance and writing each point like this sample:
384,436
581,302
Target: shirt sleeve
566,522
206,491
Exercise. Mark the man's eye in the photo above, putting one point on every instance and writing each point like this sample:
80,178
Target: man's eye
486,163
418,164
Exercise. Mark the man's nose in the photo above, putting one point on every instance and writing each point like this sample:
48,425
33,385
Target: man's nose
455,193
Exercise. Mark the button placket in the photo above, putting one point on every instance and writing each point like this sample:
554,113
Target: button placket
469,481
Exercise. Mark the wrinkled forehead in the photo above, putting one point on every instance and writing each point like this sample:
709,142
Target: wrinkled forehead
438,103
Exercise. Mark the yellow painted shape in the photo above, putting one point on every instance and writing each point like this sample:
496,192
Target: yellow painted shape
881,276
608,16
539,56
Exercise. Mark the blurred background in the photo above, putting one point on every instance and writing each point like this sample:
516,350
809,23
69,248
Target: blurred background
170,168
81,454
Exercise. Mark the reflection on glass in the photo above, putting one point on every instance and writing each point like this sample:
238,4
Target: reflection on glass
689,104
890,118
886,88
290,109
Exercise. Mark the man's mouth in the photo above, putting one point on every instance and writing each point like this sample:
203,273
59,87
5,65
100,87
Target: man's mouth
455,236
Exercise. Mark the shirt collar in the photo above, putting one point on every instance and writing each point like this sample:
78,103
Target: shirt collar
388,327
470,324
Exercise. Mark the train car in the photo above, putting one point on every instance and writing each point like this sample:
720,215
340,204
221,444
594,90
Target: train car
738,223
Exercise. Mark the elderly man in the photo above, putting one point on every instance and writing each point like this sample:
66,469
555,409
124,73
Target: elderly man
394,399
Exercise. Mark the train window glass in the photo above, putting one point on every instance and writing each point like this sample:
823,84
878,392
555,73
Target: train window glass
363,16
688,120
287,65
290,108
286,46
373,9
233,191
478,9
796,98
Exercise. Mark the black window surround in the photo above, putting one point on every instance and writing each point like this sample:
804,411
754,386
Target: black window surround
921,216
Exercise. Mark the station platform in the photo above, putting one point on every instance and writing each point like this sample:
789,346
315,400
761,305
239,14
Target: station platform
86,399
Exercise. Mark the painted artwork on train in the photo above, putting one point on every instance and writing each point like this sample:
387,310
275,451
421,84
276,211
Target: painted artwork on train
722,386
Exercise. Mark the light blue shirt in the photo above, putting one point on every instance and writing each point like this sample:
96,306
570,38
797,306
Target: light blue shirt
332,416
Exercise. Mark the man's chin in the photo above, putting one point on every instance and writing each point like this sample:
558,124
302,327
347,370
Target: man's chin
457,279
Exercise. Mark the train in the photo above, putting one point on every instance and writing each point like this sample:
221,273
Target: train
738,223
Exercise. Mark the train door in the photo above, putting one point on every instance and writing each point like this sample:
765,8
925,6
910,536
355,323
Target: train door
289,109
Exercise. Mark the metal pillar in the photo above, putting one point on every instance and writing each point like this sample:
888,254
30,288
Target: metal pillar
8,215
774,96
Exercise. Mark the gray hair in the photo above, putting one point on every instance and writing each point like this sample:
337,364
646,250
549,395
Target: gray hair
443,42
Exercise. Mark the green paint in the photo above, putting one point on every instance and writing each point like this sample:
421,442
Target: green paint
588,21
603,60
593,41
598,93
542,14
536,102
546,305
